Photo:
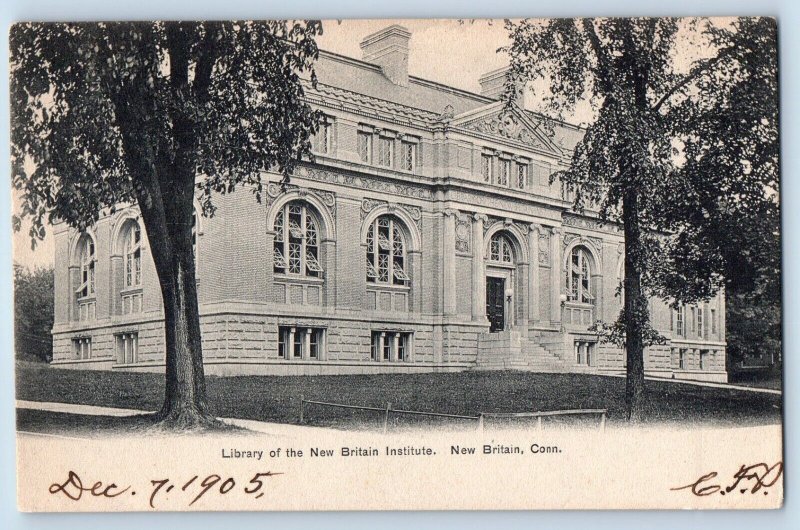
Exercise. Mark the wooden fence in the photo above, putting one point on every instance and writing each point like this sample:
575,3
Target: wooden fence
480,418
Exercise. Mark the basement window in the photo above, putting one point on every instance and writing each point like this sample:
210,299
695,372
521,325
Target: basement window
82,347
584,352
391,346
127,346
300,343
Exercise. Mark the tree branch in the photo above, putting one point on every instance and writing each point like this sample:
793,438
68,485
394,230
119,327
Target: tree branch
603,61
205,62
691,76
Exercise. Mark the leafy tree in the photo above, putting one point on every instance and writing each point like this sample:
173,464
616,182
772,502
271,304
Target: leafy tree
648,159
33,313
736,149
155,113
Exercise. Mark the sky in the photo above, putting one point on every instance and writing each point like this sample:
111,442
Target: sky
446,51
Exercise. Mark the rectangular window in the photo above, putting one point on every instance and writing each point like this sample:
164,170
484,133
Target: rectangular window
127,345
283,339
704,359
700,327
522,175
505,172
297,344
365,147
385,151
584,352
679,322
387,347
694,319
486,167
82,347
321,141
300,342
567,191
391,346
713,321
409,161
402,346
682,358
313,343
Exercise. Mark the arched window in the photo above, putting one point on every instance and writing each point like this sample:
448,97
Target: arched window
386,252
500,249
132,254
578,278
87,264
296,249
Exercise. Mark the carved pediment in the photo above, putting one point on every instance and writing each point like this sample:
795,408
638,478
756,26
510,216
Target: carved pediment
511,123
507,125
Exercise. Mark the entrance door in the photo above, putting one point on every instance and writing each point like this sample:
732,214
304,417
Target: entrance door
495,305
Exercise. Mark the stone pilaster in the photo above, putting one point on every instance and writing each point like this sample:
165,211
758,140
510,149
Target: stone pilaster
478,272
533,274
449,262
556,275
74,283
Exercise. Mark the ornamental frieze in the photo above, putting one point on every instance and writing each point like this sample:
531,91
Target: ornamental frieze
590,224
372,184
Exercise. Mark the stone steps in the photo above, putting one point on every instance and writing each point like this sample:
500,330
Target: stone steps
541,351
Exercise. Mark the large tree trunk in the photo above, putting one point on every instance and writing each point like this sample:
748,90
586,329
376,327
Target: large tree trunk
170,235
185,401
635,313
165,177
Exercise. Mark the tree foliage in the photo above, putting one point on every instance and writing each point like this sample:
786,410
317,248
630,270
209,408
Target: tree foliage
157,113
33,313
93,102
680,150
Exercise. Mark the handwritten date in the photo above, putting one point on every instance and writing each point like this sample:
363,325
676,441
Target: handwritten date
75,489
751,479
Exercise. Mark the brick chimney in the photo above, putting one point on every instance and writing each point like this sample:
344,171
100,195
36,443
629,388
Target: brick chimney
388,48
493,84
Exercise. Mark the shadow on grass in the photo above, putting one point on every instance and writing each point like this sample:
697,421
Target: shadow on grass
97,426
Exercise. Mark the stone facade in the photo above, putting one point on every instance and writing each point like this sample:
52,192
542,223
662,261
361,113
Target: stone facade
425,236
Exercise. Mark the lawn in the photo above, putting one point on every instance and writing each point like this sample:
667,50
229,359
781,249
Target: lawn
277,399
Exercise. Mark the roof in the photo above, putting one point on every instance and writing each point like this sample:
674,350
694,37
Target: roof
364,78
360,77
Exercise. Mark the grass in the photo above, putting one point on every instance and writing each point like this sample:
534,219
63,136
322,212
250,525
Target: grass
277,399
